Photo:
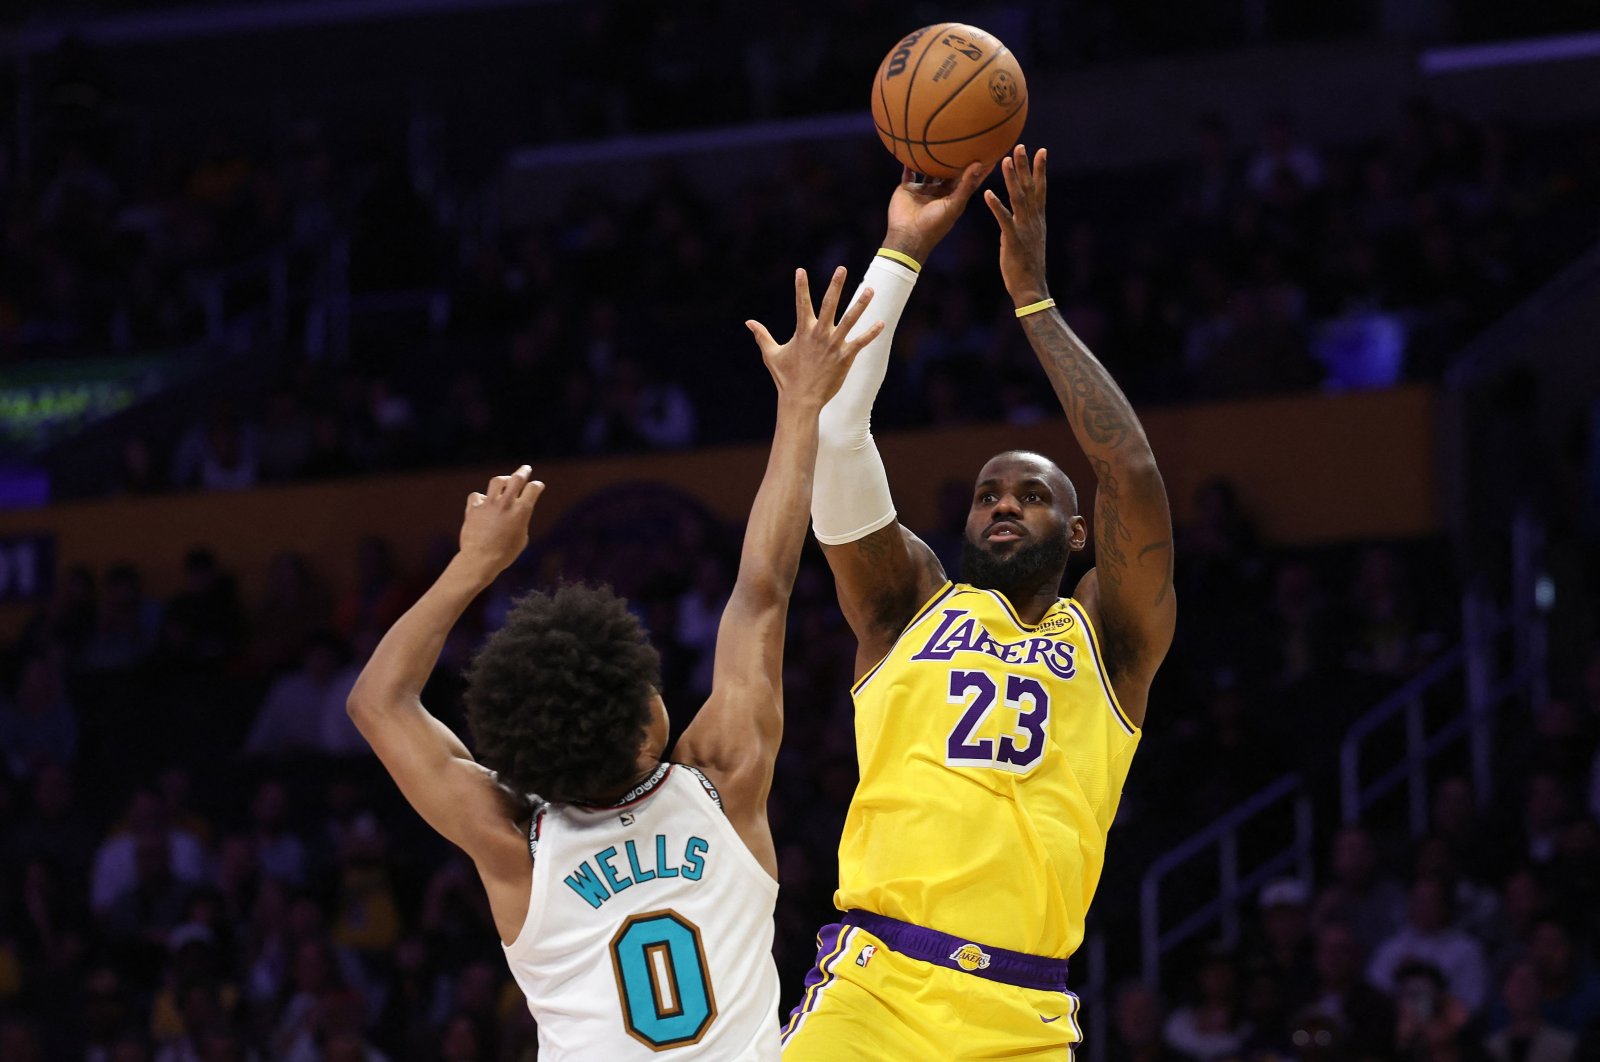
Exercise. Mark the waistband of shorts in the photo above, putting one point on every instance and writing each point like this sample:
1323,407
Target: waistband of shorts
1015,968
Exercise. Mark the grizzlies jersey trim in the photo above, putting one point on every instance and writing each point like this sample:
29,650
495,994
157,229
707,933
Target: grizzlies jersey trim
710,789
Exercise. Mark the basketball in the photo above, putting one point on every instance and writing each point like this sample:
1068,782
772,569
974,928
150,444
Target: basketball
947,96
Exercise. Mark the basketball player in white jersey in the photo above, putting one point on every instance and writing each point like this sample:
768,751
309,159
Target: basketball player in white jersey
643,924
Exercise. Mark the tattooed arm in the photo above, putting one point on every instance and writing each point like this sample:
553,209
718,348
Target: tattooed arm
1129,592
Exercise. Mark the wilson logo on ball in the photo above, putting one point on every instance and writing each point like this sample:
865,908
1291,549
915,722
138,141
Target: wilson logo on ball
902,54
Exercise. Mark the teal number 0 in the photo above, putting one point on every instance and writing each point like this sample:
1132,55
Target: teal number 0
662,980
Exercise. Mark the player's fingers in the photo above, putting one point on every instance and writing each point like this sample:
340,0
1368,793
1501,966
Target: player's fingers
497,486
868,334
971,177
1022,170
802,298
829,310
530,492
1040,186
853,314
474,500
764,338
998,209
517,480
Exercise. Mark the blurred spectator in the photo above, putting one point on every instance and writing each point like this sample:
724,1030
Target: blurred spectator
127,626
144,844
280,852
1284,952
204,621
1137,1027
1433,1024
1211,1027
1527,1037
304,711
1360,895
1430,936
38,723
1363,1016
219,454
1569,987
1282,152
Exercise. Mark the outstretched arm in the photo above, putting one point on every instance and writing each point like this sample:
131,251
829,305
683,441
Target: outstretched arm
735,736
882,570
1129,592
455,794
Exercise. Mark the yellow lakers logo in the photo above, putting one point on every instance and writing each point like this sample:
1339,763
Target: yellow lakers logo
970,957
1057,624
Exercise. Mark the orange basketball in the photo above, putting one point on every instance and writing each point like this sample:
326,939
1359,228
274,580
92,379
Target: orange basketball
947,96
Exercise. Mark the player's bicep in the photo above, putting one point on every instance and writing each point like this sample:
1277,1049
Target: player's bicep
453,793
1132,585
882,579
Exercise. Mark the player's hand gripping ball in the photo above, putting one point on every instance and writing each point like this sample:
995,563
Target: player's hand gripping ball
947,96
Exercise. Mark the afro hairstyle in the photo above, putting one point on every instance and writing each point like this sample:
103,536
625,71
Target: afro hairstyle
558,699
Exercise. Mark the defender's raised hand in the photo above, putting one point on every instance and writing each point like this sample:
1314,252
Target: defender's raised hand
494,531
1022,228
921,213
812,365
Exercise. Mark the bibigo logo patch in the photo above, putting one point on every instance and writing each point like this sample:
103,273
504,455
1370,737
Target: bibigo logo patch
970,957
1057,624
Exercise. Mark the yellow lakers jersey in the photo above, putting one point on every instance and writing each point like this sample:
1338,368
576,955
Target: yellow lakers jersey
992,756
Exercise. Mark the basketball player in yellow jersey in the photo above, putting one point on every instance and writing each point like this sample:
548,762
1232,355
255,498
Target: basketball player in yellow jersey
995,719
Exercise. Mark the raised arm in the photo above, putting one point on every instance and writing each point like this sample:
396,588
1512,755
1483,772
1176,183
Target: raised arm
735,736
453,793
1129,592
882,570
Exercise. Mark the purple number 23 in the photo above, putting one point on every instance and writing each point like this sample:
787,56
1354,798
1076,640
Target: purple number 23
1026,696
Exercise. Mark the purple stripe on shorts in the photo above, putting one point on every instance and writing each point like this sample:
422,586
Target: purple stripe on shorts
941,949
827,945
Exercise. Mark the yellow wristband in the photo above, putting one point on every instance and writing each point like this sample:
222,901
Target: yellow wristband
1035,307
901,257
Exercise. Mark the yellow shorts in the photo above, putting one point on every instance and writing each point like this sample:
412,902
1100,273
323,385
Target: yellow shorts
864,1003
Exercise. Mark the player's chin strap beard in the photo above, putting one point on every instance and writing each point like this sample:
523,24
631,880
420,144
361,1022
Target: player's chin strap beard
1019,573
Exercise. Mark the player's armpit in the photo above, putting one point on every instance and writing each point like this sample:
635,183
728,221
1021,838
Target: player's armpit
882,579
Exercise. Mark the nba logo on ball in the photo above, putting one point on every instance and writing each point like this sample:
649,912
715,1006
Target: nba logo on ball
970,957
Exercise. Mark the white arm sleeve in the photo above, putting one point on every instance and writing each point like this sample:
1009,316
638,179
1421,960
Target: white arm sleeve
850,494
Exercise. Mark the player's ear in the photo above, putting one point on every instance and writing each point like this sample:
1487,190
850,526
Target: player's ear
1077,533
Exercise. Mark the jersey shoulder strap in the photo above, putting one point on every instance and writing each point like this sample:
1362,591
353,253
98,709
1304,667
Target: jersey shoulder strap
539,808
711,790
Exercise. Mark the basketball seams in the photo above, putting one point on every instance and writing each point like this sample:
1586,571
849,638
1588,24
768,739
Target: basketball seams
888,116
958,91
911,82
882,132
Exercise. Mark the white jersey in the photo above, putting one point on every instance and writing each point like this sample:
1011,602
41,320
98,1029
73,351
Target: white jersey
649,932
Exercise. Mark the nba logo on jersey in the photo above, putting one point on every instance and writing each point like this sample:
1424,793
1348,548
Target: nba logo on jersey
866,955
970,957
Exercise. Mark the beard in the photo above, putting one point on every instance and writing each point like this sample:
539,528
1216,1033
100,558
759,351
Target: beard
1019,573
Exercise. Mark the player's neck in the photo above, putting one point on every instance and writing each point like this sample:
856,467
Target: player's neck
644,769
1030,603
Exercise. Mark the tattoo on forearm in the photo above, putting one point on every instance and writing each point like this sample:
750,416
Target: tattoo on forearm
1090,396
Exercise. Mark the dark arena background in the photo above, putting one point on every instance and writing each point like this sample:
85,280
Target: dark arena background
282,281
